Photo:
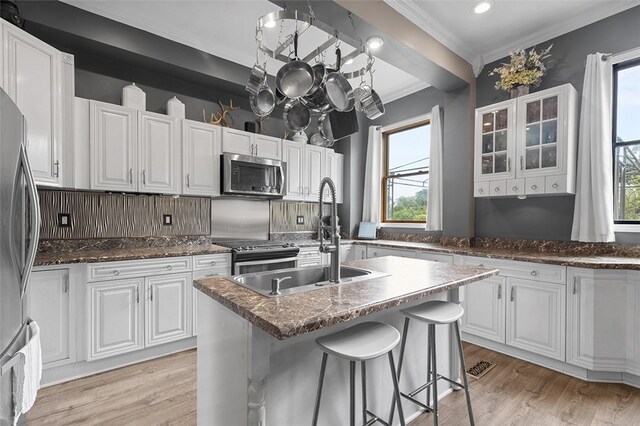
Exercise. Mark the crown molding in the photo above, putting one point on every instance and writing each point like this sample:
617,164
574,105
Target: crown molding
578,21
401,92
416,14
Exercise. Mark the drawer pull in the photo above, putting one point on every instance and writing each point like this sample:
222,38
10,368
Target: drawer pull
480,190
116,272
169,267
497,189
534,273
514,189
213,262
481,265
534,187
555,186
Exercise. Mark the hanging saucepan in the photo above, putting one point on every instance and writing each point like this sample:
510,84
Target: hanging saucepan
296,116
263,103
318,140
372,105
359,93
339,93
324,129
295,78
315,100
256,78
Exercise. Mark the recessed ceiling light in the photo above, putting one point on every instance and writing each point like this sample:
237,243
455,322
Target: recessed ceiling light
270,24
374,42
482,6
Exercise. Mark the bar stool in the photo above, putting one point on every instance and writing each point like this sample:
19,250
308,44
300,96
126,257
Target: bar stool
362,342
434,313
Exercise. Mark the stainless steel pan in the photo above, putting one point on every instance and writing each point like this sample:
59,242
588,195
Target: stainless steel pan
324,129
295,78
296,116
263,103
339,93
256,78
372,105
315,100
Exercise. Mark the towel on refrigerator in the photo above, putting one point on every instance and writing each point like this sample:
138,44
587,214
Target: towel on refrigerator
27,372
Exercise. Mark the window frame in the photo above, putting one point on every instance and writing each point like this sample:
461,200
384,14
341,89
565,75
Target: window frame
413,123
620,62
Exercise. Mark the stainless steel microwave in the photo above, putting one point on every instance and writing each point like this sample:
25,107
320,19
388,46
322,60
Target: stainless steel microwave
252,176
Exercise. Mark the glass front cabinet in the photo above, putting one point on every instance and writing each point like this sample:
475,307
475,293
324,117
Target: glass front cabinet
527,146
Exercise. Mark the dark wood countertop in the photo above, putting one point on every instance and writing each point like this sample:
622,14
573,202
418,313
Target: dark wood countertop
287,316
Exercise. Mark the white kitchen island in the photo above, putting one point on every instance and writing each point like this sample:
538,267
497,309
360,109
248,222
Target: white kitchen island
258,363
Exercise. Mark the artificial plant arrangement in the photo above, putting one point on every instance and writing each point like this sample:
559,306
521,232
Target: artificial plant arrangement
524,69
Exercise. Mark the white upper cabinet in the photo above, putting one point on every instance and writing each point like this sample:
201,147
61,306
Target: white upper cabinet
133,151
113,147
527,145
267,147
293,156
200,159
315,169
247,143
32,75
158,147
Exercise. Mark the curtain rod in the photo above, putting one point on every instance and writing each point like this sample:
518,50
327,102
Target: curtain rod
609,55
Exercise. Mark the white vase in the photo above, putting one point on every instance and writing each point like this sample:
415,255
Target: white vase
300,137
134,97
175,108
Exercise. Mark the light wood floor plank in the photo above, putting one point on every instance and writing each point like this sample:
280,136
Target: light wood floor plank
515,392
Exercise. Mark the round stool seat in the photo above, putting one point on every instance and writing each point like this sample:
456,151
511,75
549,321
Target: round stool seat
361,342
435,312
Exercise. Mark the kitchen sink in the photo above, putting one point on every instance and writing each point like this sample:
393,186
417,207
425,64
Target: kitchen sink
302,279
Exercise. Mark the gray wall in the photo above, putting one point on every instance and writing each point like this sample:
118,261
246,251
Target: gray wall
551,217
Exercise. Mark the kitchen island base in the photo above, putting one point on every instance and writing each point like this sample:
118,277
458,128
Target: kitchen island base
246,376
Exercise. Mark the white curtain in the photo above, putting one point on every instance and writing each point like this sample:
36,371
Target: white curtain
434,201
593,214
372,177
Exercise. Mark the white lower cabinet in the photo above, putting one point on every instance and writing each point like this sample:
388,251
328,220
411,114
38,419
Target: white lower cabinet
536,317
309,256
603,320
115,317
436,257
385,251
359,252
483,304
50,302
168,308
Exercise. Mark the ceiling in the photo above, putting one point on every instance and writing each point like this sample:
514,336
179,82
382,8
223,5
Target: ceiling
226,29
507,26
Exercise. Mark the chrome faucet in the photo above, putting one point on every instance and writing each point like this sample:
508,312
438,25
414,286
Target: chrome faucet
334,247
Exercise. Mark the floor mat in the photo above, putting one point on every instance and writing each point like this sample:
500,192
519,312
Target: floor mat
480,369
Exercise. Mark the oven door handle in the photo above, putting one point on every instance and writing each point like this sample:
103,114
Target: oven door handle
237,265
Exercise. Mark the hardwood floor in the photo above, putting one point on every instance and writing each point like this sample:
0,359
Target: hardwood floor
515,392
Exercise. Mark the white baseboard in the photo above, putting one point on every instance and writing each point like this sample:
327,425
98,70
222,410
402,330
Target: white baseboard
78,370
552,364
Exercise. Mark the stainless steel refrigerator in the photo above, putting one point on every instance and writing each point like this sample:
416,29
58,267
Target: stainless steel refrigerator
19,231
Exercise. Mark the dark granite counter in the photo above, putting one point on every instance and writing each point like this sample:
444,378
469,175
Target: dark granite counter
287,316
553,255
91,256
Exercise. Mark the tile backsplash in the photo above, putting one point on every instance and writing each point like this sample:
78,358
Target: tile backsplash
81,215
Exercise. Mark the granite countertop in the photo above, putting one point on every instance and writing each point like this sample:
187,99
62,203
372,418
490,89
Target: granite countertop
107,255
579,260
288,316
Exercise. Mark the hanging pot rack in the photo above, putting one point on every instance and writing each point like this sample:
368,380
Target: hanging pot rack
307,21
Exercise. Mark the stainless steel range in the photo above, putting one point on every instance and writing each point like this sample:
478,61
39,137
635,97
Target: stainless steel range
260,255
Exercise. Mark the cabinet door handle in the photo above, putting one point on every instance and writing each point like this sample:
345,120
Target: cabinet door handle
151,293
256,150
575,285
57,171
131,176
137,295
144,177
500,291
509,164
513,296
188,180
65,289
521,163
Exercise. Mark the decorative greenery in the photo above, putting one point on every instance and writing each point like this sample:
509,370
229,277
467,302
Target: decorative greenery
524,69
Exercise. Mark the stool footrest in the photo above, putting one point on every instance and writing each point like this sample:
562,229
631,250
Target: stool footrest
418,403
374,420
430,382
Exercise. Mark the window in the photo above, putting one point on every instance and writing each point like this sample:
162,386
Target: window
406,173
626,142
